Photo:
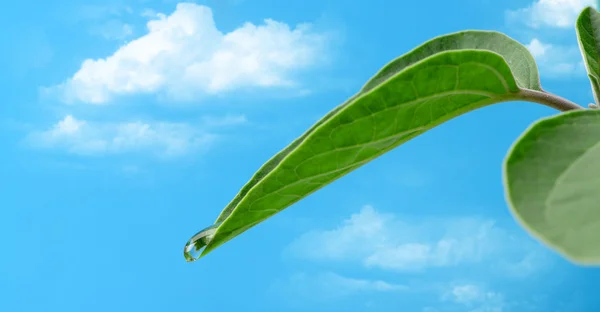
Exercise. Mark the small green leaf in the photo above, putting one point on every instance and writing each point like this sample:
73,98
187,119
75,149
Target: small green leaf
443,78
552,183
588,35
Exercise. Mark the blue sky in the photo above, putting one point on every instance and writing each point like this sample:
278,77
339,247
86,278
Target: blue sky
127,126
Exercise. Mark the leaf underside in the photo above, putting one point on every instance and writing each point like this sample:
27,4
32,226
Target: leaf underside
439,80
552,183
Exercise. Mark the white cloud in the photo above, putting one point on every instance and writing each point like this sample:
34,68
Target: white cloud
551,13
328,285
100,138
468,293
387,242
346,284
537,48
185,55
556,61
475,297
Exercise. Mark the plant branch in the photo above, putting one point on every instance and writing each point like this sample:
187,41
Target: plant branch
547,99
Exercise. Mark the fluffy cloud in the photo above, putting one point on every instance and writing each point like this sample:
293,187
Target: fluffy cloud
556,61
387,242
185,55
551,13
83,137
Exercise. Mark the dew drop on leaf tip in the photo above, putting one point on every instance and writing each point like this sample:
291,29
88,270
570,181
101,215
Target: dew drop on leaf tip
193,248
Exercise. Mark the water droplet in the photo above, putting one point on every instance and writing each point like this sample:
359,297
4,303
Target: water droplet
193,248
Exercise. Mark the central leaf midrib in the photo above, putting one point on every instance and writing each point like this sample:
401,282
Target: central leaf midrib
397,106
362,94
300,180
595,20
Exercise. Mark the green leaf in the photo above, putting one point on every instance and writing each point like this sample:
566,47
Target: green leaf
588,35
518,58
552,183
443,78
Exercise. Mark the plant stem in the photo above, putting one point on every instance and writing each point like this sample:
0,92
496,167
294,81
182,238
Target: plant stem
547,99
